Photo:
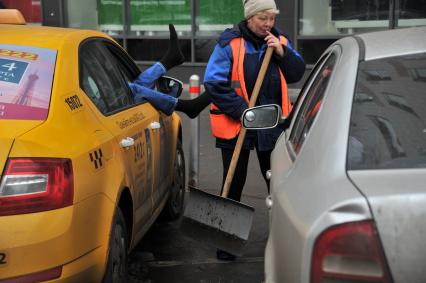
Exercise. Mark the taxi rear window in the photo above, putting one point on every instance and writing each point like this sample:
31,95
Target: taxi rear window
26,75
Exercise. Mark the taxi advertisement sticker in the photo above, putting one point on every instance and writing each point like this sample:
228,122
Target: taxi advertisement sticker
26,76
18,54
12,70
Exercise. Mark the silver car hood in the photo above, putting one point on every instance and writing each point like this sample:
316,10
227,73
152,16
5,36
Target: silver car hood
398,203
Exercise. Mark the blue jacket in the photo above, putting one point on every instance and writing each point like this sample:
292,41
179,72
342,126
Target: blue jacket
218,85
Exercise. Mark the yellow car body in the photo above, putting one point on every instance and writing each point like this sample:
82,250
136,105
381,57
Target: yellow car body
124,159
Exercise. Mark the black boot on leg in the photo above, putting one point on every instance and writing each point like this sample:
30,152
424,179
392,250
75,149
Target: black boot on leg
174,55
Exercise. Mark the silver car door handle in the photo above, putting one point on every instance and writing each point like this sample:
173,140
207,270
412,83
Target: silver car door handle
155,125
269,202
268,174
127,142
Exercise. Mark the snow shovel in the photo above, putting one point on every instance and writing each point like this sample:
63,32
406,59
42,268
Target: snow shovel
217,220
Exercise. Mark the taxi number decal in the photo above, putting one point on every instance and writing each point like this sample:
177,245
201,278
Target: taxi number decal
3,259
138,151
148,159
18,54
73,102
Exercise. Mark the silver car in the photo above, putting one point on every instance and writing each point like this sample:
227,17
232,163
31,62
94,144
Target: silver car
348,175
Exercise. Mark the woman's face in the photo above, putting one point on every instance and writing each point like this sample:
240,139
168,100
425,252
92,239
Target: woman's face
261,23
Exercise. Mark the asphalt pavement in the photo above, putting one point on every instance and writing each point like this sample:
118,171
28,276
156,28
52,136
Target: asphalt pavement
166,255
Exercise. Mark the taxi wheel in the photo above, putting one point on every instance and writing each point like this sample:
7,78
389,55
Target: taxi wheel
117,257
175,204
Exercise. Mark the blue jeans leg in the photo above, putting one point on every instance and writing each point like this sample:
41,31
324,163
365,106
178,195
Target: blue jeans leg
148,77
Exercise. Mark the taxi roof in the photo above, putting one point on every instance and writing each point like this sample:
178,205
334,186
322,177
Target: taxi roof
43,36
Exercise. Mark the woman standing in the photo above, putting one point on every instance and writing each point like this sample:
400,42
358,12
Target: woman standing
230,78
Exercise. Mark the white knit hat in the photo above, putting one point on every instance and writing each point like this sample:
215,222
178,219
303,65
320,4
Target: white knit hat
252,7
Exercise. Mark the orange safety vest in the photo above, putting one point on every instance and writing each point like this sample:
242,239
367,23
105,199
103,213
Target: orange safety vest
222,125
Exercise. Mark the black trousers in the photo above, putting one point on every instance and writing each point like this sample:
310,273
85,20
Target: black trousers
240,174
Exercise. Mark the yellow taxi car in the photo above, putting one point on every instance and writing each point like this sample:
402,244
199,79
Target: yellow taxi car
85,169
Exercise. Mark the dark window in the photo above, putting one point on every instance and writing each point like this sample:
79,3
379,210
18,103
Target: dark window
123,62
359,10
312,103
388,130
101,78
412,9
154,49
311,49
89,86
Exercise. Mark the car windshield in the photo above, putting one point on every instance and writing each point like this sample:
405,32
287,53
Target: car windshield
388,120
26,75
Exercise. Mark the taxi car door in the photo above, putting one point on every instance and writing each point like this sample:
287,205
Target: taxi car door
166,159
105,70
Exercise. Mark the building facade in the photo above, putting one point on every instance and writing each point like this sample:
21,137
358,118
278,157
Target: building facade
141,26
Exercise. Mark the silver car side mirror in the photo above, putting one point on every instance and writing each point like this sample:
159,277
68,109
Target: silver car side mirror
262,117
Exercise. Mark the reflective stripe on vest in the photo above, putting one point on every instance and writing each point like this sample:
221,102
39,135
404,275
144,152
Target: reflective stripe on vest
222,125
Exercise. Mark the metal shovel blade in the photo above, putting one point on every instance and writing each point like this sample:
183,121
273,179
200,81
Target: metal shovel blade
220,222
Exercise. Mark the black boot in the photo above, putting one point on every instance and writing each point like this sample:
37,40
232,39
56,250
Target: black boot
174,55
193,107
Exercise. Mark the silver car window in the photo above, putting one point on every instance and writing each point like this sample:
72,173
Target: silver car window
311,104
388,119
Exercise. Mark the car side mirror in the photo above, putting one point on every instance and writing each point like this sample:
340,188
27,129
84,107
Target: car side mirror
262,117
170,86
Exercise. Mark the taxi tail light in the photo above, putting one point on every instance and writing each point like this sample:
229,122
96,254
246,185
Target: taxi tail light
46,275
349,252
31,185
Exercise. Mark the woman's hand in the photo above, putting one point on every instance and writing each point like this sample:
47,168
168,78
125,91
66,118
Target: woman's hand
274,42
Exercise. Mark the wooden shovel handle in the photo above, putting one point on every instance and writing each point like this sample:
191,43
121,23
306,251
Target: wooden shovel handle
242,134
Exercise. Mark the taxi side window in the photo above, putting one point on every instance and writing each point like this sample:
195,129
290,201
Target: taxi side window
311,104
129,71
101,80
123,63
91,89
